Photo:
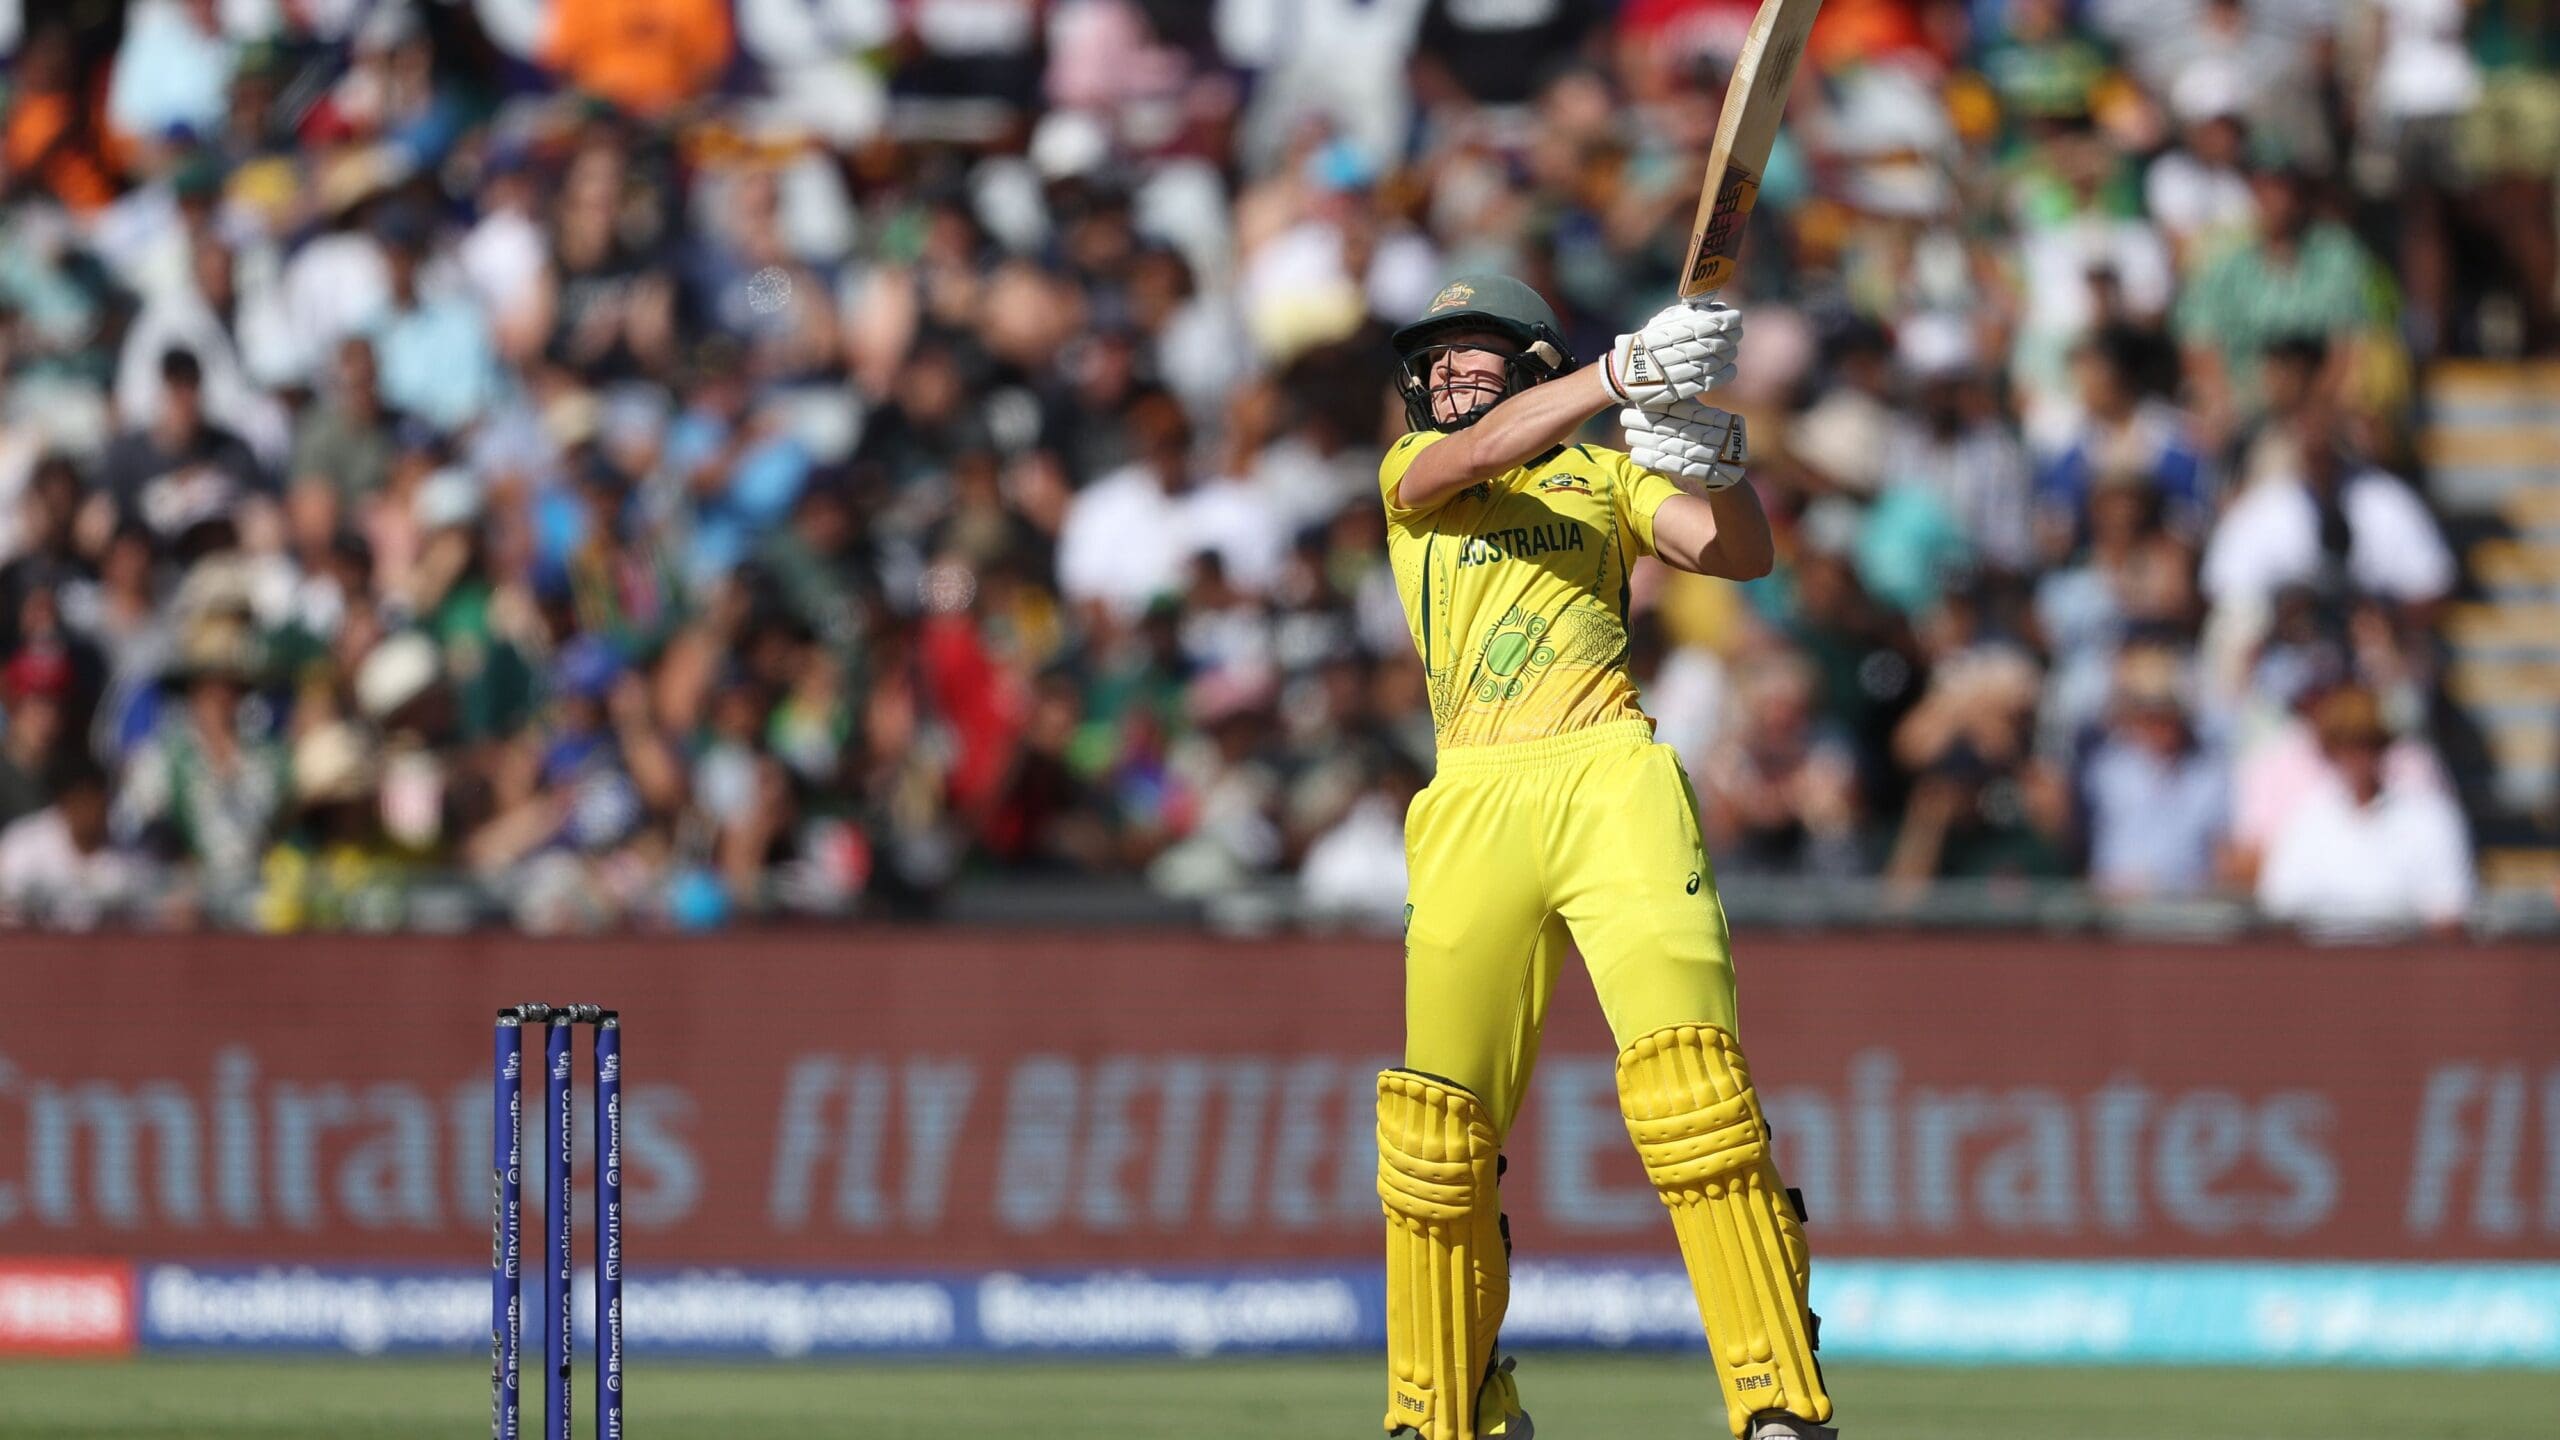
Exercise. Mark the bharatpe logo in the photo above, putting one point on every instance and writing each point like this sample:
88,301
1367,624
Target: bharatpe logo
1453,297
1519,542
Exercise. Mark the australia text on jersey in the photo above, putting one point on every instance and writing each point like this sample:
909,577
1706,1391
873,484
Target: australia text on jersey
1521,541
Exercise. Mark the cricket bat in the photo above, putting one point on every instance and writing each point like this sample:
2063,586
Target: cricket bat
1745,130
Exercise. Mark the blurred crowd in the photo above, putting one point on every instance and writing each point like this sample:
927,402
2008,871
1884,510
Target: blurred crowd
668,461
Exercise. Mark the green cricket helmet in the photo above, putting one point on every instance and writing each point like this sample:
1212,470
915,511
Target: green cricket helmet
1479,303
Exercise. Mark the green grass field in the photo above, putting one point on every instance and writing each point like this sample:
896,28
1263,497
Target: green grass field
1572,1396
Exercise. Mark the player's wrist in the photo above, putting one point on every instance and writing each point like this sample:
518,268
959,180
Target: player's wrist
1628,371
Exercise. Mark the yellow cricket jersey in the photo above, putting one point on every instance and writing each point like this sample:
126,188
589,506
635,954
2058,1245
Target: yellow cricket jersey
1516,590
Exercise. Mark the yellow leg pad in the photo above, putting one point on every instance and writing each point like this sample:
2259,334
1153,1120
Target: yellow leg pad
1447,1277
1697,1126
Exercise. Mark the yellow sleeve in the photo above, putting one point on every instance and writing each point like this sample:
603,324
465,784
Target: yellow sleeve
1639,493
1399,459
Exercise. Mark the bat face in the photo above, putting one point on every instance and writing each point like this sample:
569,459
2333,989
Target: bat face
1746,129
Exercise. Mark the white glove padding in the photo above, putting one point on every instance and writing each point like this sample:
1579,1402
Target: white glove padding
1681,353
1689,442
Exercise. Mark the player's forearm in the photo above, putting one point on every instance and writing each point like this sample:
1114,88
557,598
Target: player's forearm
1512,434
1744,548
1723,533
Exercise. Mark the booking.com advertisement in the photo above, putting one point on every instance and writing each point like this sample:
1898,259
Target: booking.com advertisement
910,1144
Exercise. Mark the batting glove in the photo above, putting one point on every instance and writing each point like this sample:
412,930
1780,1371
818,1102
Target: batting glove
1690,442
1681,353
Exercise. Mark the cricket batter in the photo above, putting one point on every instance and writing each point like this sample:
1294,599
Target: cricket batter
1555,816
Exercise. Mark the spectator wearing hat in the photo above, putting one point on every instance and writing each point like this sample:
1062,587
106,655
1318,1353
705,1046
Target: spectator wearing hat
399,691
2281,765
2366,852
205,788
2154,796
332,864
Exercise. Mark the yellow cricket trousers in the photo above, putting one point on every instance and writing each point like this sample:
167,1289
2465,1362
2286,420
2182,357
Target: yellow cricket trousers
1514,849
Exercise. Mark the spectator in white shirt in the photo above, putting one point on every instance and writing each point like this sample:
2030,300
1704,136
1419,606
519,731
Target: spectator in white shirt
172,72
2198,191
2281,768
2423,81
1354,871
58,868
2326,520
203,317
2368,853
1127,536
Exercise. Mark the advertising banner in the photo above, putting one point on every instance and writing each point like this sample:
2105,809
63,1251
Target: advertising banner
66,1307
2197,1312
962,1103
